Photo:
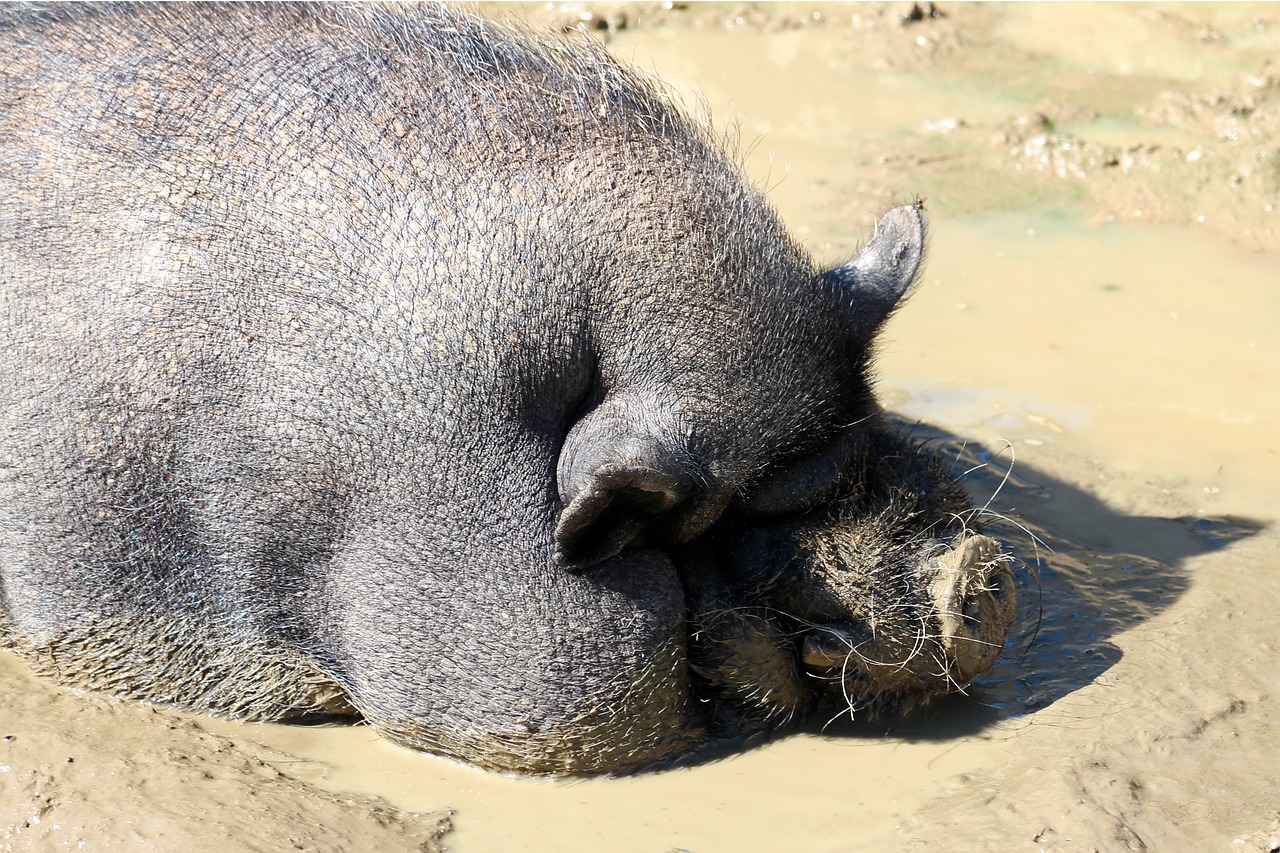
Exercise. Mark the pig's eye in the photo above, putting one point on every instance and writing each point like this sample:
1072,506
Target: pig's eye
806,482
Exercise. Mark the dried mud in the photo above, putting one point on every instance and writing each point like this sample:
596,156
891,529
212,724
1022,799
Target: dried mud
79,772
1093,344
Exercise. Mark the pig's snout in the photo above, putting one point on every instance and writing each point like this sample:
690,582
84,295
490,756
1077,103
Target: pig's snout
966,608
975,600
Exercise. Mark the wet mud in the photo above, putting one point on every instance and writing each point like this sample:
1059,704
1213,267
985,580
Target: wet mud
1092,345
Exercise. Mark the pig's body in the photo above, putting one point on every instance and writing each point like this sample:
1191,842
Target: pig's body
360,360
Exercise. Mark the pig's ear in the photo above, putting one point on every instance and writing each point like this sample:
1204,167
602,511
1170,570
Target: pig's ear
872,284
617,473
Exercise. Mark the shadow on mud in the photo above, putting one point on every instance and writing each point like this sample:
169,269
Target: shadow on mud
1086,572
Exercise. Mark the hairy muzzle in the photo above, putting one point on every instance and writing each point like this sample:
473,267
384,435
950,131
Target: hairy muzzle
959,624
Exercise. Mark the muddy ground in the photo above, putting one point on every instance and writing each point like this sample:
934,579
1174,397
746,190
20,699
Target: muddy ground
1094,341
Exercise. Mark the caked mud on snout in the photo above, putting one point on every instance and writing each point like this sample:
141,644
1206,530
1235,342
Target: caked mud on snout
959,628
879,602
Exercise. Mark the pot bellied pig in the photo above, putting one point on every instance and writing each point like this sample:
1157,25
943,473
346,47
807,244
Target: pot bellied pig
395,363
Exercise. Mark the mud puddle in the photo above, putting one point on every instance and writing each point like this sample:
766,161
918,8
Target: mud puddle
1094,340
744,801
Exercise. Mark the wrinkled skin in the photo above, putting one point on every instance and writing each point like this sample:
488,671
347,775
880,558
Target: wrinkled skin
392,364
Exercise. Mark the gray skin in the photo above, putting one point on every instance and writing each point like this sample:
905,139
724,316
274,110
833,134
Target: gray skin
400,364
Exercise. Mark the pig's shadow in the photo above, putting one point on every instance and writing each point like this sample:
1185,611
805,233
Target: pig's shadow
1085,573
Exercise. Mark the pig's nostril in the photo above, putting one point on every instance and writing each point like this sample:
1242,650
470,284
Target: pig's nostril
972,615
997,584
976,602
992,588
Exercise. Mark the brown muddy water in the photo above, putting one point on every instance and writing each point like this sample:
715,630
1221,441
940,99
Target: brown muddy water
1094,341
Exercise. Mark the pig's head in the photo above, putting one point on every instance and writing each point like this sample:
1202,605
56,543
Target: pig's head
821,552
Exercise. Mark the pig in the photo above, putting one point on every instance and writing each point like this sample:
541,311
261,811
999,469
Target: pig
395,363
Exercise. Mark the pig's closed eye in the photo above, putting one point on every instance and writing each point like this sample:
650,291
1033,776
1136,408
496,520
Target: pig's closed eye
805,483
